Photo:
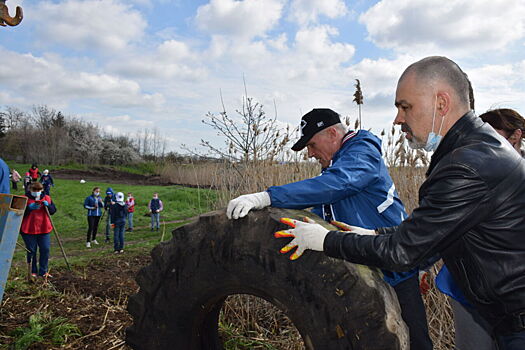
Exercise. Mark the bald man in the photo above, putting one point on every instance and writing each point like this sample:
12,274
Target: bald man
470,206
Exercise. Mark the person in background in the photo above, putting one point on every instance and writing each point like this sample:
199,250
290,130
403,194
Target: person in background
130,203
4,177
34,173
94,205
27,182
15,178
36,228
509,124
47,181
108,201
155,207
119,212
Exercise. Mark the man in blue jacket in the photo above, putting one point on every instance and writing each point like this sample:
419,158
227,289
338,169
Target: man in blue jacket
354,188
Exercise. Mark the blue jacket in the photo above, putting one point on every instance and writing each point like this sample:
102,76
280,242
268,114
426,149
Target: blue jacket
4,177
90,204
47,180
118,214
356,189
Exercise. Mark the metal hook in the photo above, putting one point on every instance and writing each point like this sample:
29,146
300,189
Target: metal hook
6,19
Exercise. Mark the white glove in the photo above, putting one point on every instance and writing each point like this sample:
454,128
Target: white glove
354,229
308,235
240,206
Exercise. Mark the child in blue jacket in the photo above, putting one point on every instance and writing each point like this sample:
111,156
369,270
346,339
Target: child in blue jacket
47,181
94,205
118,212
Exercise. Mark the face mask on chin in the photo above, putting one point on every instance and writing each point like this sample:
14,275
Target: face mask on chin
433,140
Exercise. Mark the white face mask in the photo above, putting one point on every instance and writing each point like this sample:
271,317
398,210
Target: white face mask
433,140
97,194
36,194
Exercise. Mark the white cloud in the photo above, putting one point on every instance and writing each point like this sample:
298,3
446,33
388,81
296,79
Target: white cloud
308,11
460,27
47,82
171,59
498,86
92,24
240,19
119,124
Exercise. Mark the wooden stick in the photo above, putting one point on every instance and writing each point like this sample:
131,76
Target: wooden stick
21,246
163,230
58,239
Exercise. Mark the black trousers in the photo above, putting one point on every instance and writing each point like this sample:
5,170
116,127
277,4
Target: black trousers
413,313
92,227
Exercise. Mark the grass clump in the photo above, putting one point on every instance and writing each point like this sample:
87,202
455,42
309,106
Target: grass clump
44,329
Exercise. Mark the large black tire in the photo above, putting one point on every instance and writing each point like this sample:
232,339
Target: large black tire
333,304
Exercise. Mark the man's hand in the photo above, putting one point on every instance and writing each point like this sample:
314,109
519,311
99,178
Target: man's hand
307,235
240,206
354,229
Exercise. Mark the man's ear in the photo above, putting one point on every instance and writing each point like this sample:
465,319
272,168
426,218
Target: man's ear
443,103
332,131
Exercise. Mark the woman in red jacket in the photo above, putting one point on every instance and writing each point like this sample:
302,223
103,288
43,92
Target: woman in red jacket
36,228
34,173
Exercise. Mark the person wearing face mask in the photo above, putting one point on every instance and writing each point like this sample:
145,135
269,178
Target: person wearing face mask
470,328
36,229
355,188
470,209
155,207
130,203
119,212
94,205
47,181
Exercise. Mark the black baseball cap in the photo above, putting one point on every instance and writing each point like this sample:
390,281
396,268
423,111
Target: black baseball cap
314,121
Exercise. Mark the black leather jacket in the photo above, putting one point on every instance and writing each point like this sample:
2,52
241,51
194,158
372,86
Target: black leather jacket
472,213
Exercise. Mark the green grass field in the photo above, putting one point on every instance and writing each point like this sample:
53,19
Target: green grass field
70,220
144,168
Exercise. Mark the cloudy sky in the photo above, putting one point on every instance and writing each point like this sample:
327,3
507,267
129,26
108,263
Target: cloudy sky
135,65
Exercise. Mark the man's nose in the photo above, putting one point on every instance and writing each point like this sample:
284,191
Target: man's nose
399,118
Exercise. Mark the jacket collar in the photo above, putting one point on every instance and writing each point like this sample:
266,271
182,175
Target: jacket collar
462,128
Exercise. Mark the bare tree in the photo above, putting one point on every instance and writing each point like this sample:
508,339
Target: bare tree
12,117
252,136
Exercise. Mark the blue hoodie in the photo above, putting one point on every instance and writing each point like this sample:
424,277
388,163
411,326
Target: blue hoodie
356,189
108,199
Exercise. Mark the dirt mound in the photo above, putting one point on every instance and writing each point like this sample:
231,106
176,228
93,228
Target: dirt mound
94,298
101,174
